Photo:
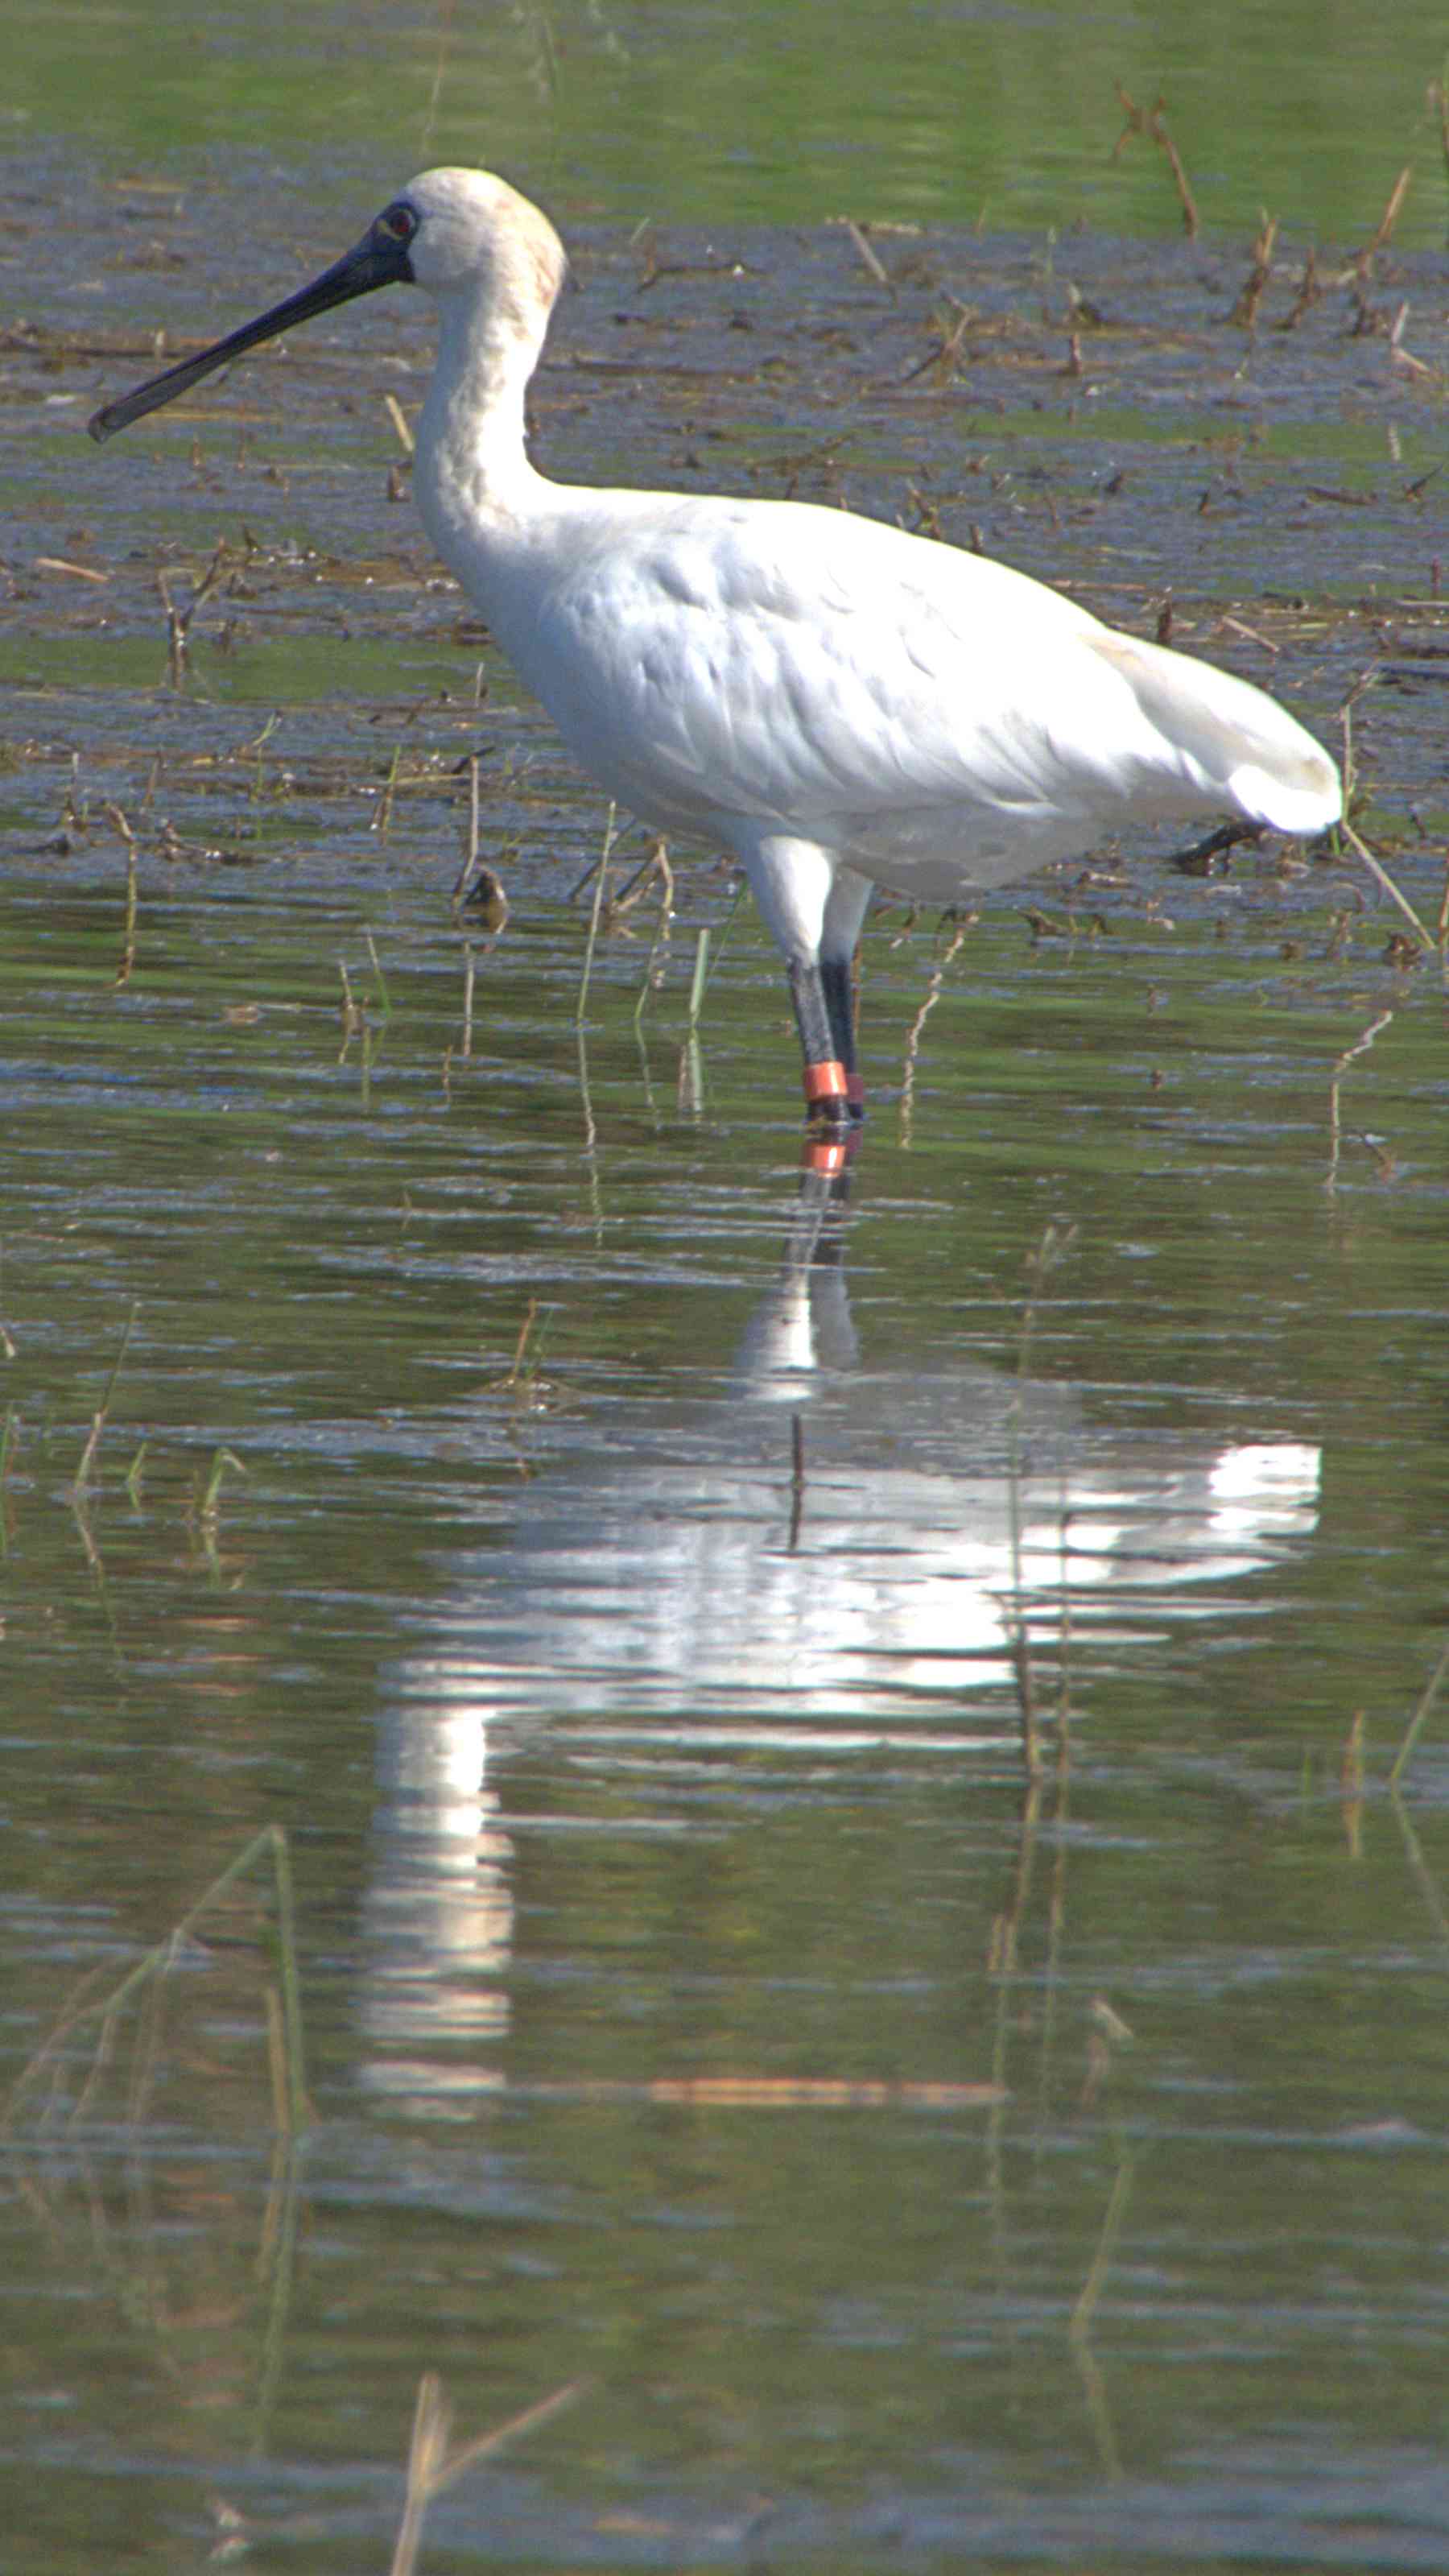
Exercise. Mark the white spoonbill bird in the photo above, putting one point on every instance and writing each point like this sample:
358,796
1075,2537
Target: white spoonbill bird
838,703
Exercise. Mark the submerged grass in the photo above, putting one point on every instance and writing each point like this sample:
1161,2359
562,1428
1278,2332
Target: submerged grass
50,2063
101,1416
1420,1718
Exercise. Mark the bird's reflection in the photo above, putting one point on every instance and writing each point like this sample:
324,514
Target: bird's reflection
439,1907
812,1552
704,1557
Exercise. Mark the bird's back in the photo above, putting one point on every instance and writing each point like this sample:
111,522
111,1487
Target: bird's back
925,714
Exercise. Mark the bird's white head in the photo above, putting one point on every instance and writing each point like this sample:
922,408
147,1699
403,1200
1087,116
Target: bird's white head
469,239
473,237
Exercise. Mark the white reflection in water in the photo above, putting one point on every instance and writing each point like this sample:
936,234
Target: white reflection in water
438,1921
681,1572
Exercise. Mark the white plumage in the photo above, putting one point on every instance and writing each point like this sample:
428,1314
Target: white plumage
835,701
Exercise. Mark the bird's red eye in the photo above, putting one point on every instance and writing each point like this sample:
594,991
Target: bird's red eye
398,222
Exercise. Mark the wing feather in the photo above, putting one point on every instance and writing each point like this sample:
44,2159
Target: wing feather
898,701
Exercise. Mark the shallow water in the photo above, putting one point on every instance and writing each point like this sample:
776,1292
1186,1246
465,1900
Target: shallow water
632,1573
768,111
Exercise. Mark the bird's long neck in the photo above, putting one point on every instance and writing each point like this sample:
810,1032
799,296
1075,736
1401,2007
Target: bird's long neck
473,478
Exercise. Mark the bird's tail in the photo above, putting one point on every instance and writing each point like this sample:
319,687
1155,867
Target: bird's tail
1236,744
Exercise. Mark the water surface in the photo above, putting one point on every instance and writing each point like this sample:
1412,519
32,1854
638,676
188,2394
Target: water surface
633,1574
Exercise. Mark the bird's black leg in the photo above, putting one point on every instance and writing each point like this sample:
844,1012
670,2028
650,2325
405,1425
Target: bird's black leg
838,985
827,1077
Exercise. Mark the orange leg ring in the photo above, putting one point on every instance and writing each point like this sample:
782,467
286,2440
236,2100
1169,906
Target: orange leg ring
826,1081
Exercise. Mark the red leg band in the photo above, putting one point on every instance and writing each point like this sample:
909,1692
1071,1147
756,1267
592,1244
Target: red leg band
825,1081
